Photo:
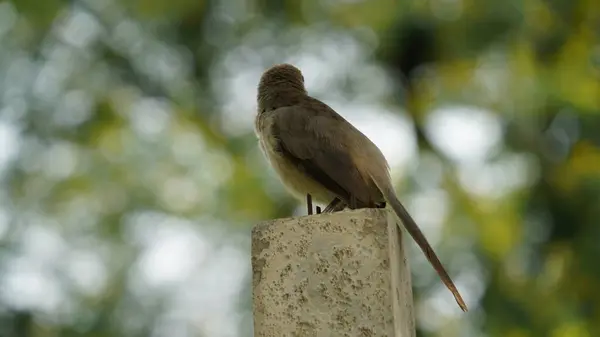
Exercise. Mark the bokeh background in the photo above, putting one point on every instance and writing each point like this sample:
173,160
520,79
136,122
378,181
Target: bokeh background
130,174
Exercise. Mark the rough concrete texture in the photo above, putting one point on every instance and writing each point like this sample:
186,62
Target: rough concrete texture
340,274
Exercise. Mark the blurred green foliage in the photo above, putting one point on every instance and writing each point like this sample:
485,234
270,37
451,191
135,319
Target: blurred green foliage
122,123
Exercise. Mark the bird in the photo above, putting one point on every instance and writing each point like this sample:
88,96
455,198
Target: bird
319,155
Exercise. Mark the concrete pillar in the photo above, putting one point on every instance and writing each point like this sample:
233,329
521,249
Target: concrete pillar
340,274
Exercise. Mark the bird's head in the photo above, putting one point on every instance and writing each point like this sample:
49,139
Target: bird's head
279,86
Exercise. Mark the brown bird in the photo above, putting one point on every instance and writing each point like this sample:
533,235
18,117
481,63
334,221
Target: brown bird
317,152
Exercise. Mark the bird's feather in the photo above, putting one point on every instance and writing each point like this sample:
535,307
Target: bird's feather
314,146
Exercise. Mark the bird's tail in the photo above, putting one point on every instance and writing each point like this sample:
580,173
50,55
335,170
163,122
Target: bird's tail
412,228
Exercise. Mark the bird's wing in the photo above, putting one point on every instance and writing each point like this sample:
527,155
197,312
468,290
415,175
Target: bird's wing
314,143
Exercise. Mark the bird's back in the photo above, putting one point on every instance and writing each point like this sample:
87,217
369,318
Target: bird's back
364,152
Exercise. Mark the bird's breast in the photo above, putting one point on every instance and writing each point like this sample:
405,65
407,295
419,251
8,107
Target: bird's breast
293,178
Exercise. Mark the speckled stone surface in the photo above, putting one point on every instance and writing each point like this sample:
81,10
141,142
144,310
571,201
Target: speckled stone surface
340,274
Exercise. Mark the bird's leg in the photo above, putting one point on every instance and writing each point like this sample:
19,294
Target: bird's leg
352,202
309,204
